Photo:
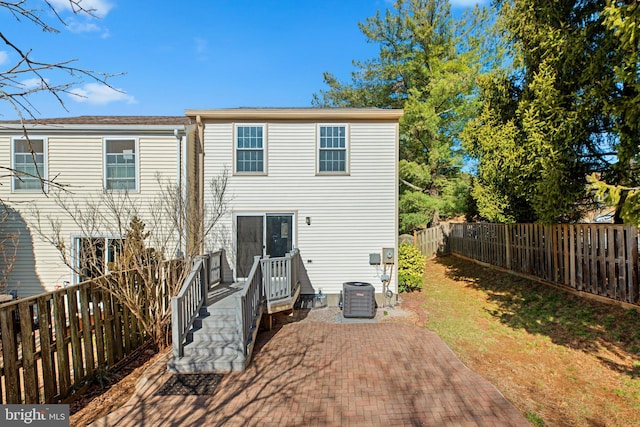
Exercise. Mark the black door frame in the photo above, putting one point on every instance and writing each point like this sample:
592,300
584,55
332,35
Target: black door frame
292,232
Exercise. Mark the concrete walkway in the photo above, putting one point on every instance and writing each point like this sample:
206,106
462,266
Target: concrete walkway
322,374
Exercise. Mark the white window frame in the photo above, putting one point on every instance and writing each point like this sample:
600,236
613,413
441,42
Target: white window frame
346,149
236,149
137,163
75,252
44,173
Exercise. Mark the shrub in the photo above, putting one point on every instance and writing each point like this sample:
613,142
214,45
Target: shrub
410,268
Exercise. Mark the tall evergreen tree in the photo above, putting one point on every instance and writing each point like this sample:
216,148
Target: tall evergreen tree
620,186
560,114
428,63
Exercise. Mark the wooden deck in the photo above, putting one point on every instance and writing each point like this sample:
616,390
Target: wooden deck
222,330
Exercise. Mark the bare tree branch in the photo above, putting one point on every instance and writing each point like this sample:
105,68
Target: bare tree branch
29,76
141,237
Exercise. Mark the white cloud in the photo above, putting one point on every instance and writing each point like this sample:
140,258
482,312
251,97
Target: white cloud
467,3
4,57
87,27
34,83
97,94
99,8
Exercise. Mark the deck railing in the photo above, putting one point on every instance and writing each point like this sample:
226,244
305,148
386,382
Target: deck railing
185,307
281,275
250,303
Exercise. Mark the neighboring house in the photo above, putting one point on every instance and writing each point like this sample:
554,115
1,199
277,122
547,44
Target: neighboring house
90,157
324,181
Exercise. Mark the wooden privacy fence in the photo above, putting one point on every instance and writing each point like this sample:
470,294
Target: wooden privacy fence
432,241
53,342
600,259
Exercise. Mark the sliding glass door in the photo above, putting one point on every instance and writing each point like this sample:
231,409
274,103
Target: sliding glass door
260,235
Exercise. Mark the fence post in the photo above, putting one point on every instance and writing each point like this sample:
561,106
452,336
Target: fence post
507,244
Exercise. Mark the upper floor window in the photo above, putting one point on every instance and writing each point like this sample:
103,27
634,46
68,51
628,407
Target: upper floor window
121,165
332,149
29,164
250,148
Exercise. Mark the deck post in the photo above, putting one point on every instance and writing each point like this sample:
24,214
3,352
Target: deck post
176,328
221,264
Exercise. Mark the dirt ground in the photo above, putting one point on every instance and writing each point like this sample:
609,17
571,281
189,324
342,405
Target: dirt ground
114,391
553,376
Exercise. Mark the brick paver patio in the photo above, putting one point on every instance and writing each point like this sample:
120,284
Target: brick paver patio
307,374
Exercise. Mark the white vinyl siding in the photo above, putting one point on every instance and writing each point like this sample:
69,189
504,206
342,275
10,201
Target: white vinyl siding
77,161
29,160
351,215
250,149
332,148
121,164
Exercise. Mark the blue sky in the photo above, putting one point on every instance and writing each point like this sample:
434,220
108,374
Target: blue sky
188,54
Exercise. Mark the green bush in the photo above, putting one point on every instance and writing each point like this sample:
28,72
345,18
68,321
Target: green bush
410,268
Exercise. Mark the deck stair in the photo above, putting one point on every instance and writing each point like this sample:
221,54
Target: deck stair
214,344
215,323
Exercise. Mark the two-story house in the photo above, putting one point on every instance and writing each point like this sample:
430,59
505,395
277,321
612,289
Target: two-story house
81,159
320,180
323,181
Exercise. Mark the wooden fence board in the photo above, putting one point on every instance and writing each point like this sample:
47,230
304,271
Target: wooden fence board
74,332
27,339
10,357
117,330
610,261
555,255
127,337
622,266
87,336
135,330
65,336
632,265
62,348
108,329
597,258
98,316
46,351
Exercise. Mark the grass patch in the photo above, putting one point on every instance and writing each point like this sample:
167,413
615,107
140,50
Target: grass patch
534,419
561,359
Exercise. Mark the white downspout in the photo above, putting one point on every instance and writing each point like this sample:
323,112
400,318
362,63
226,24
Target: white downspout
179,193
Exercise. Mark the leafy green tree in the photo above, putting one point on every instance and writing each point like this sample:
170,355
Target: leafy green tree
553,118
620,186
427,65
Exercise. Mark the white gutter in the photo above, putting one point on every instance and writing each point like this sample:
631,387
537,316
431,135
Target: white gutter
89,129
